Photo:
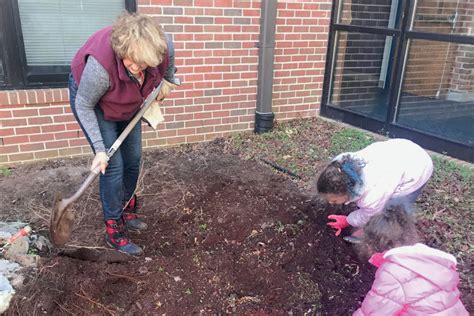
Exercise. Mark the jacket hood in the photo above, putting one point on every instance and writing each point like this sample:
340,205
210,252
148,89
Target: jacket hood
434,265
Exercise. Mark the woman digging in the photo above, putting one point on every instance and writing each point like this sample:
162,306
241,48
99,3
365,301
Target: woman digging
371,177
111,75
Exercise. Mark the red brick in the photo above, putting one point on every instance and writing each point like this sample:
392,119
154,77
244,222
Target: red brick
213,136
192,11
183,20
13,97
170,133
53,128
51,111
202,115
4,98
15,140
176,140
183,3
73,126
27,130
203,3
8,149
7,131
46,154
195,138
193,123
228,120
205,129
70,151
194,93
186,131
222,128
41,137
78,142
184,117
13,122
57,144
212,107
25,113
32,147
22,96
214,121
63,118
173,110
220,114
21,157
193,28
5,114
57,95
194,108
66,135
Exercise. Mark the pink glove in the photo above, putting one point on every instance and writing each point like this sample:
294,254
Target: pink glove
339,224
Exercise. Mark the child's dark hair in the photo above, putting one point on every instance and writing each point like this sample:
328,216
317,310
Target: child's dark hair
340,177
394,227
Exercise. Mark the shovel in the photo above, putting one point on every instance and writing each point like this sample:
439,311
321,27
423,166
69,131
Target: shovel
62,218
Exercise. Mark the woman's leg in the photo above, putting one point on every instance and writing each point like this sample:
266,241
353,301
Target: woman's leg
131,152
111,191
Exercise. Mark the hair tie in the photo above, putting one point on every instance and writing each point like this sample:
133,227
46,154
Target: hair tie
349,169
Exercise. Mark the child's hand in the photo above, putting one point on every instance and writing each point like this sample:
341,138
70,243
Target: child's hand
339,224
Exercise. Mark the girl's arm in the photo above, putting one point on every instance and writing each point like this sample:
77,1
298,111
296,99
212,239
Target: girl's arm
375,197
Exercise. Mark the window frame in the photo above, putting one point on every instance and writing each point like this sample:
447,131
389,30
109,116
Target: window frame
17,74
390,127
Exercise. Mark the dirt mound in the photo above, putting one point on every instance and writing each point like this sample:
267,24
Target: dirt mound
226,236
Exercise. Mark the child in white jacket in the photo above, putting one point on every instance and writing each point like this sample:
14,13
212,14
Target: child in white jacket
396,168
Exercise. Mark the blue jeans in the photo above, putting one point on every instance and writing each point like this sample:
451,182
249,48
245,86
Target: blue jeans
119,182
408,200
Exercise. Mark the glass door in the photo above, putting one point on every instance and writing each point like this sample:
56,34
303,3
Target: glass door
365,37
404,68
437,95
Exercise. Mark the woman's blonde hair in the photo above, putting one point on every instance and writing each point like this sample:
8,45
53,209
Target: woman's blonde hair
138,38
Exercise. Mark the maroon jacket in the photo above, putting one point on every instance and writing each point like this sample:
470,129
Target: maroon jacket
124,96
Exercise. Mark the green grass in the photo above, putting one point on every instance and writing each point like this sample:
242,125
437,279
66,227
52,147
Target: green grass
349,139
5,171
445,169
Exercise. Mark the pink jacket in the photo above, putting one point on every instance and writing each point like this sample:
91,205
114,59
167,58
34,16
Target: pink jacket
393,168
414,280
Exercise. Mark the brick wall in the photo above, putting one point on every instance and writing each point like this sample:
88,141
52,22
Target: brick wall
217,59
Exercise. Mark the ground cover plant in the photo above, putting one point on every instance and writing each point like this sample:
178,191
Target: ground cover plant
235,228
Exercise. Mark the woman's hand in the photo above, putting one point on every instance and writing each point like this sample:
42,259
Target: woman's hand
100,162
166,89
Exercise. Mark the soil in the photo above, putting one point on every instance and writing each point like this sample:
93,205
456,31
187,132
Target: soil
228,234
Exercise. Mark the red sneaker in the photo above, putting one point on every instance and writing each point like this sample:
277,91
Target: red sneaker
115,237
130,216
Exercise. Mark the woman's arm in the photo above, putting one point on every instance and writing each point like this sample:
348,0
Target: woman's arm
93,85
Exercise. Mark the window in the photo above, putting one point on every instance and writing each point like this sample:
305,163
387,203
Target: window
38,39
405,69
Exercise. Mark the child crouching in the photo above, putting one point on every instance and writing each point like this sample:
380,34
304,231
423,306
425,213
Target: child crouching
412,278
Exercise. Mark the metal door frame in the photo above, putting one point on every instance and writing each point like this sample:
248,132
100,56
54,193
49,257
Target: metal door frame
401,40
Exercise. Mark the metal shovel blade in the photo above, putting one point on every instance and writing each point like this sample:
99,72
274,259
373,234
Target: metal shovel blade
61,222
